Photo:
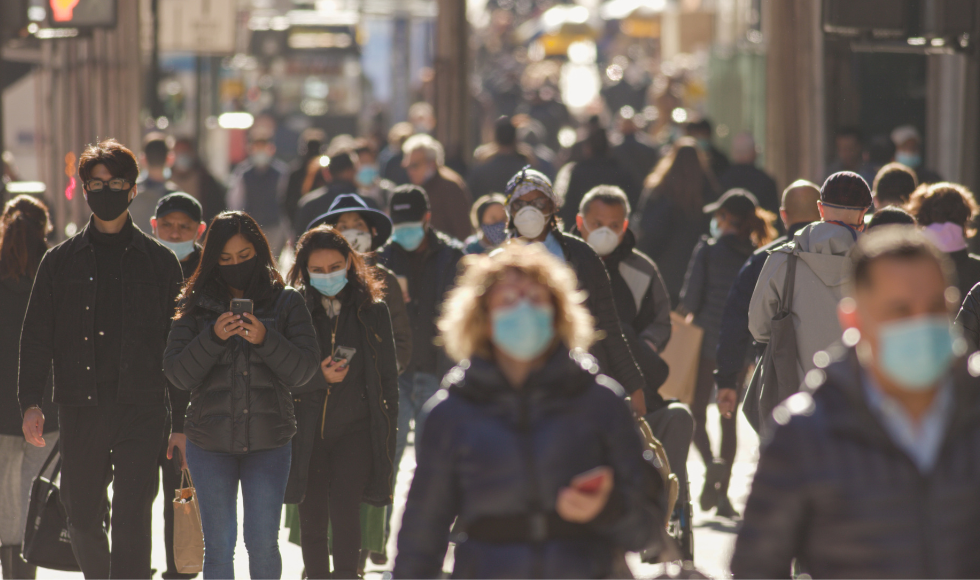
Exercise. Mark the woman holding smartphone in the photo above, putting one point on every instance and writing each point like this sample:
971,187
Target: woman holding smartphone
241,341
347,415
537,456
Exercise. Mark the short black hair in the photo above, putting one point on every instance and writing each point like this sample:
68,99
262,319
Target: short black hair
896,242
504,132
850,131
891,216
156,149
894,183
598,142
119,160
699,126
607,194
343,161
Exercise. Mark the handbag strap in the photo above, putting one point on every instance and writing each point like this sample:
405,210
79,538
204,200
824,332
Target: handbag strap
55,450
789,283
185,478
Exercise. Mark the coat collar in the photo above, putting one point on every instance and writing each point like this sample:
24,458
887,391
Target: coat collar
84,239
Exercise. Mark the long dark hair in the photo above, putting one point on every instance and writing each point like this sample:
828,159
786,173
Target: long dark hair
755,226
206,281
681,176
364,283
23,229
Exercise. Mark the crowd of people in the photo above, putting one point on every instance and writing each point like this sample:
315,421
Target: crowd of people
286,335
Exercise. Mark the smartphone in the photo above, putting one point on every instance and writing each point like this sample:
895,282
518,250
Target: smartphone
344,353
241,305
590,481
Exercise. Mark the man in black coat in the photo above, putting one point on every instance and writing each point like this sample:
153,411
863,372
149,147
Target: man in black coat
872,473
743,173
424,261
100,310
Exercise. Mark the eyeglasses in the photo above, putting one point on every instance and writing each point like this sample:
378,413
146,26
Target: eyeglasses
542,203
116,184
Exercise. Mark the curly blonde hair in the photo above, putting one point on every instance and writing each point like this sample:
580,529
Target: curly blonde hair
465,322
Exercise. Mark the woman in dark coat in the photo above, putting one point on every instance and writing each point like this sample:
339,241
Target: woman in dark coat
240,369
668,218
347,415
738,226
945,212
535,455
24,227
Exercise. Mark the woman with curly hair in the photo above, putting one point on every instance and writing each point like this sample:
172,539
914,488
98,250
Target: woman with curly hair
535,455
945,212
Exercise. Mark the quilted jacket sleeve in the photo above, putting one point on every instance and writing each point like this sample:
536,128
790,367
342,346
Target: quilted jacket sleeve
192,352
773,528
294,354
432,501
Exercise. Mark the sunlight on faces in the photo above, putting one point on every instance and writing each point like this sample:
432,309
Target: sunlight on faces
494,214
531,198
236,250
601,214
177,226
325,261
101,172
418,167
352,220
897,290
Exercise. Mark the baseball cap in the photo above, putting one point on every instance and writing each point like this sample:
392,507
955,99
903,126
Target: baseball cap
738,201
179,201
846,190
409,203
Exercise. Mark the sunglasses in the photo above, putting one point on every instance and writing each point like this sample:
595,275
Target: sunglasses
115,184
542,203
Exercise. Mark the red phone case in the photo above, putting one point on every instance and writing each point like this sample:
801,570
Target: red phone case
593,483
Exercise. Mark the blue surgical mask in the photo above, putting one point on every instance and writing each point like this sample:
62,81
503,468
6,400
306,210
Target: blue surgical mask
523,331
714,229
916,352
182,249
408,235
329,284
495,233
912,160
367,174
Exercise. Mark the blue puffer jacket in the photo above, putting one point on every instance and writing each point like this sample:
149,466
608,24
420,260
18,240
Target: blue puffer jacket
490,452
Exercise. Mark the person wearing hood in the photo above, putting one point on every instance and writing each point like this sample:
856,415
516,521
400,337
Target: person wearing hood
821,273
945,212
347,415
532,208
644,309
531,451
489,219
798,209
738,227
872,472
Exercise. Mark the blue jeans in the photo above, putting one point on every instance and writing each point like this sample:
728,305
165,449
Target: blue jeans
263,475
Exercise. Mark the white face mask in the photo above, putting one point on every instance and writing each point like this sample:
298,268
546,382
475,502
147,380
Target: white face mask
603,240
360,241
530,222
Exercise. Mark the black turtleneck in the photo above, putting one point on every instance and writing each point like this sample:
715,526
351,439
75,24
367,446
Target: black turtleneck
109,250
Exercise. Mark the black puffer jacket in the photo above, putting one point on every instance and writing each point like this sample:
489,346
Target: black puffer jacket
375,342
490,453
612,352
834,491
240,393
713,270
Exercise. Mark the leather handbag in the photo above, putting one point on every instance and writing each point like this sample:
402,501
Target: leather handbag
47,543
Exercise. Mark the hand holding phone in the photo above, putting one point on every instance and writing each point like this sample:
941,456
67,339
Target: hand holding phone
586,496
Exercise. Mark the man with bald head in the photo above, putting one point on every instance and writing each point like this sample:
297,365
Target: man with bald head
797,210
744,174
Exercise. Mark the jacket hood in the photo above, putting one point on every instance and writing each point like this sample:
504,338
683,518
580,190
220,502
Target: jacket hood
566,373
824,248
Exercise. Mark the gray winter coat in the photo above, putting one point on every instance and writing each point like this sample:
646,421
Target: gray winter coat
821,273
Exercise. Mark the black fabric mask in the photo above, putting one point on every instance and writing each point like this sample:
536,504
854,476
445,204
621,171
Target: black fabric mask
107,205
239,275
